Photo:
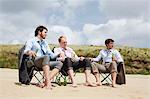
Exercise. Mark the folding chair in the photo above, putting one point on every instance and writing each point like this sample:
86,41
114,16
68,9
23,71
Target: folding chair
107,78
62,78
37,74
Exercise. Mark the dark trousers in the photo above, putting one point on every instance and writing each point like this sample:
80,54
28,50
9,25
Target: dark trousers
69,64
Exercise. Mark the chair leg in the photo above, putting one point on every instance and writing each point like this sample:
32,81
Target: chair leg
58,79
39,80
106,78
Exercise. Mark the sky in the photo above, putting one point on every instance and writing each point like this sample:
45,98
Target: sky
83,22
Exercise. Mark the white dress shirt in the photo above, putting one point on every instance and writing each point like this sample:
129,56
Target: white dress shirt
106,56
68,52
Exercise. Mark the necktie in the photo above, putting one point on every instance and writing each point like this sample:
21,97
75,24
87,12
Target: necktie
40,43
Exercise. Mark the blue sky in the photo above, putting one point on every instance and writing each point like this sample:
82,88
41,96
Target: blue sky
81,21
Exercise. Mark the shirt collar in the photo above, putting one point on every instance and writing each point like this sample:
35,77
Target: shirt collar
108,50
38,40
63,48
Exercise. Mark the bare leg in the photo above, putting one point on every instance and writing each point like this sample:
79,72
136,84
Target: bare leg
113,68
87,77
71,75
113,76
53,73
46,75
97,77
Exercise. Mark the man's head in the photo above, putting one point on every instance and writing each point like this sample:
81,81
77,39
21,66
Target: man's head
109,43
41,32
62,41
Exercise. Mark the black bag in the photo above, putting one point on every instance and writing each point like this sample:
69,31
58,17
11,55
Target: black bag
25,66
121,79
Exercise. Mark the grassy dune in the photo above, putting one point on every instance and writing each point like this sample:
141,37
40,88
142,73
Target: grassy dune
137,60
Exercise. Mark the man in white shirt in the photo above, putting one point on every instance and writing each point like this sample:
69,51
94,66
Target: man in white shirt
72,62
110,57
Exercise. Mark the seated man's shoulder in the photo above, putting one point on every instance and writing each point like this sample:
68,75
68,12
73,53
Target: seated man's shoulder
115,50
30,40
33,39
56,48
68,48
102,50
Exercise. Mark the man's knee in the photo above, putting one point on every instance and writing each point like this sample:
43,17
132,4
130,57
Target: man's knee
94,68
46,60
113,66
59,65
67,59
87,64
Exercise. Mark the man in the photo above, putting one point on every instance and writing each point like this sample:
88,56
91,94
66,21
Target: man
110,57
72,62
38,49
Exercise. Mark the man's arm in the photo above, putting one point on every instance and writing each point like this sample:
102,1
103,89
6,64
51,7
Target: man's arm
75,55
98,58
50,53
61,57
118,56
28,47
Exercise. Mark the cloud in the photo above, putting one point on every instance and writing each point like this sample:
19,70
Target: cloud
81,21
125,8
73,37
18,6
125,32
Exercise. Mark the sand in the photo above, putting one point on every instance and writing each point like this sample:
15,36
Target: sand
137,87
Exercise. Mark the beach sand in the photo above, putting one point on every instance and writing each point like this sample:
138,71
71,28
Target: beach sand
137,87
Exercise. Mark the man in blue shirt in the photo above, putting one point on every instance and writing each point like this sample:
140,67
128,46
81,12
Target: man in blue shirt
110,57
38,49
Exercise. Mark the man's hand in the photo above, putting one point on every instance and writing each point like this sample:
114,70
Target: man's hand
31,53
82,58
91,59
114,58
61,55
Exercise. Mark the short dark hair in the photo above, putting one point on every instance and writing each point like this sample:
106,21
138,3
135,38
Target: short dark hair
40,28
59,39
107,41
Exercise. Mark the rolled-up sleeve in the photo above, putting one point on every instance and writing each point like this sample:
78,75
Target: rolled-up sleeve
50,53
118,56
28,46
98,58
75,55
57,51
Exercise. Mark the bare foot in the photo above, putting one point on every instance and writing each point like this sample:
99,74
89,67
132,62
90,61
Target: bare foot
90,84
74,85
98,83
41,85
113,85
48,87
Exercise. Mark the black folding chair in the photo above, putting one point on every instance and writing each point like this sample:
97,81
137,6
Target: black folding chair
38,74
106,75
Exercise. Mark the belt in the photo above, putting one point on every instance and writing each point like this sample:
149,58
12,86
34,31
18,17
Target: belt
107,62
